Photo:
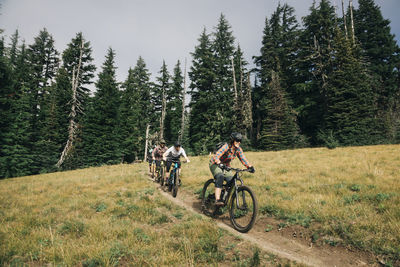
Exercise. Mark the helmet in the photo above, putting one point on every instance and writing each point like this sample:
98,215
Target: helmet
177,143
235,136
162,141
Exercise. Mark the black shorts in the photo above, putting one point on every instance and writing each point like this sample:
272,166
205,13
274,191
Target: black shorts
170,162
158,163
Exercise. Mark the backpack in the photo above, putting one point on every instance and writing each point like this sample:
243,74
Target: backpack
218,146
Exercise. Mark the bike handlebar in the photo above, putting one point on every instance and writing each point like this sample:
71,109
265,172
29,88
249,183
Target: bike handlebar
236,170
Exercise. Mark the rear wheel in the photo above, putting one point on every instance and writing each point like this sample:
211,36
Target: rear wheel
208,198
243,209
162,174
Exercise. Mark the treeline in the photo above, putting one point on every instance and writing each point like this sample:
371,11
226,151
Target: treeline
334,81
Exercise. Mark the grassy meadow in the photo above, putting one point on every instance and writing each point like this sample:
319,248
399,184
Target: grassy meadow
110,216
348,196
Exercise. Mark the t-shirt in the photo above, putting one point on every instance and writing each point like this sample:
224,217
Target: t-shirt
173,154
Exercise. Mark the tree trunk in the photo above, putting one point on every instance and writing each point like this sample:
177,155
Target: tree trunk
163,113
147,142
183,106
352,21
76,106
344,19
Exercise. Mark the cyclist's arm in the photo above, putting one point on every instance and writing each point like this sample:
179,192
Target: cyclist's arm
184,155
219,153
166,153
242,158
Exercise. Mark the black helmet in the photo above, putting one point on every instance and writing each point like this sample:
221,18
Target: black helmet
235,136
177,143
162,141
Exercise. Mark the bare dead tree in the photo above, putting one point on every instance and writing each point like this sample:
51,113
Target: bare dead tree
75,107
352,21
248,106
146,146
183,106
344,19
163,113
234,82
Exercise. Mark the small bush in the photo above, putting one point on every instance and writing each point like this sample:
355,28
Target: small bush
73,227
99,207
355,187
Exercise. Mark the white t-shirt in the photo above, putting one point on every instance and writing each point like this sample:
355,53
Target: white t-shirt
174,154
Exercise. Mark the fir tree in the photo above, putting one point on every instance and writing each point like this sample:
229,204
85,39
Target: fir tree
160,93
101,131
173,117
202,131
279,129
351,109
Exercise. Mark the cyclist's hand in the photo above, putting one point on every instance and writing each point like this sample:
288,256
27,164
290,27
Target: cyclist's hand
187,160
164,159
252,170
222,166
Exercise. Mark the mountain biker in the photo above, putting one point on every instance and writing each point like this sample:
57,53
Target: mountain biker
173,154
158,152
222,159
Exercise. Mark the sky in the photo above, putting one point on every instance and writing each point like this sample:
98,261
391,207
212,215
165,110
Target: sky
157,30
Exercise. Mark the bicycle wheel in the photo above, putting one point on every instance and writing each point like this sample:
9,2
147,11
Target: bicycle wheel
175,186
170,182
243,209
152,170
162,174
208,198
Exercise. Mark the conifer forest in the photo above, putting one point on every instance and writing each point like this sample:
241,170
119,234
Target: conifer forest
328,79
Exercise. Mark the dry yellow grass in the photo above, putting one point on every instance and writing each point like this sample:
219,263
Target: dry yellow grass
108,216
347,195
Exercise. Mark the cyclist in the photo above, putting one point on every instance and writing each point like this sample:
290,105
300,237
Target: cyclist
222,158
173,154
158,152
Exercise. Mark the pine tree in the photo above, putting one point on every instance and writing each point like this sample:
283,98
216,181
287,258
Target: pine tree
223,50
160,93
6,98
275,122
350,117
43,60
279,129
101,132
13,51
381,50
202,128
78,51
314,66
173,117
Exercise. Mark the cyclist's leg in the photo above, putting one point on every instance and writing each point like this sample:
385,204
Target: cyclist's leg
218,175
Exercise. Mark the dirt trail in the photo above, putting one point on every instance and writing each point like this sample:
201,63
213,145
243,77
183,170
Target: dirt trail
276,243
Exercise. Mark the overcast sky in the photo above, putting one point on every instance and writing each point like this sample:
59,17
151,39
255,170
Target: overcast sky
154,29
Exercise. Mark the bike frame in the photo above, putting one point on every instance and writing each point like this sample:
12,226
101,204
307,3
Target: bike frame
174,170
234,186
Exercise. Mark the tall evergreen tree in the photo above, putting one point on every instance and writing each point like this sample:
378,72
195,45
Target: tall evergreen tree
202,129
381,50
314,66
62,94
350,117
43,60
101,132
223,50
160,93
275,121
173,117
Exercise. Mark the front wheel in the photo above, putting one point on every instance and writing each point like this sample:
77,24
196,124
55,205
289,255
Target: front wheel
208,198
243,209
175,185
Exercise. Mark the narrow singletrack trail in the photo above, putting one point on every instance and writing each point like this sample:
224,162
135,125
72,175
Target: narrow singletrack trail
276,243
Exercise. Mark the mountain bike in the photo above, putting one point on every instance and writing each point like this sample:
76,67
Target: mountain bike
173,180
153,168
160,171
238,199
